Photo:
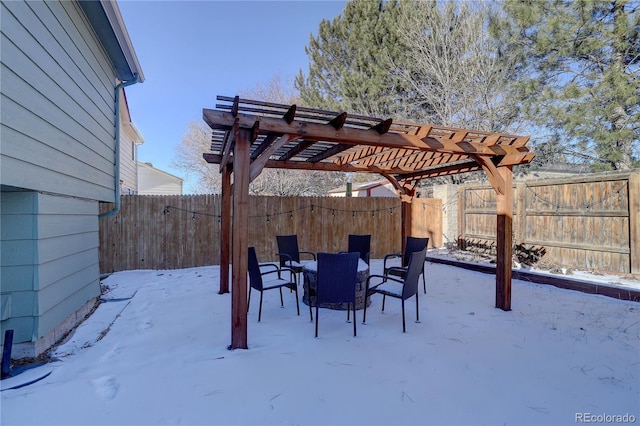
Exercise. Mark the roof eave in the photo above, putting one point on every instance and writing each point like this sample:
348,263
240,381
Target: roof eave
106,20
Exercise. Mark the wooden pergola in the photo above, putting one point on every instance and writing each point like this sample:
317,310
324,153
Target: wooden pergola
251,135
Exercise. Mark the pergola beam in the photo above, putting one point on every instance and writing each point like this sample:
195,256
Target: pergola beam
347,135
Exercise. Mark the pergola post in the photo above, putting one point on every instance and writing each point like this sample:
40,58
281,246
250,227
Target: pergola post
406,198
504,236
240,238
225,229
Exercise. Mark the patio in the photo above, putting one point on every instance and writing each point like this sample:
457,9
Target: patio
249,135
163,358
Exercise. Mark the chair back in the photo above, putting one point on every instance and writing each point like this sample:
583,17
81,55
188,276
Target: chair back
288,244
255,276
337,277
360,244
413,244
414,269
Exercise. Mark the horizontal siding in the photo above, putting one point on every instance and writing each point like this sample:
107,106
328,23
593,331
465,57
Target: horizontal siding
18,259
54,296
68,270
23,304
50,259
45,76
56,315
13,277
58,90
22,327
162,189
128,163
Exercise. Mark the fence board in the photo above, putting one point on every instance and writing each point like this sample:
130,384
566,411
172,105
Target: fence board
170,232
587,222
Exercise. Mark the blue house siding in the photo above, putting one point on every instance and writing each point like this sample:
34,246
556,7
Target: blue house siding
58,121
49,264
60,65
18,259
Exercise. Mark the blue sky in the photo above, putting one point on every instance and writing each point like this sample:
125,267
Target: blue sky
192,51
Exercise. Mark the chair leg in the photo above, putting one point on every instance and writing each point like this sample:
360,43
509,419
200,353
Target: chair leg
297,303
281,300
260,310
404,327
354,319
364,314
384,296
317,319
424,282
249,299
417,309
348,311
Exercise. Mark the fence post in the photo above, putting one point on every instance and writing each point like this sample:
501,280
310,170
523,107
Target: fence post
634,222
461,217
520,231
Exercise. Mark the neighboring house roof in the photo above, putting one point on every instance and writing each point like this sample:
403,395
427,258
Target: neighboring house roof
108,24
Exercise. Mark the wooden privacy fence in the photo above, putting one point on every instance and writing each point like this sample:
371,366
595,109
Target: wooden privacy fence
589,222
172,232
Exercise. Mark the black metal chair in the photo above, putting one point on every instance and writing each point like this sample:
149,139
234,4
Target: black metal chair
337,279
289,254
257,282
413,244
360,244
399,289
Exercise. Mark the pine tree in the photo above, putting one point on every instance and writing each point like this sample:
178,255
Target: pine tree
352,61
578,73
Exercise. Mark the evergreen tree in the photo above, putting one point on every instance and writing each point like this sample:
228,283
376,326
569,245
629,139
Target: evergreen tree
353,62
578,73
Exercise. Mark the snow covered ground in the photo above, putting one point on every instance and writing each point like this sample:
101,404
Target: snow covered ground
572,274
155,353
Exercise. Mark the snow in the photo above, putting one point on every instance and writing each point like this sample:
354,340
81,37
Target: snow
156,354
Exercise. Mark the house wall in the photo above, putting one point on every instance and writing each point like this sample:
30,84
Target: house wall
128,161
378,191
130,138
57,89
50,269
56,164
152,181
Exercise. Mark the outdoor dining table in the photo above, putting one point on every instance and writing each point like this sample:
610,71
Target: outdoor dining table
310,273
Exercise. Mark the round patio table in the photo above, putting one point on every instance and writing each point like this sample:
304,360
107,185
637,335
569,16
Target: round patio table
310,273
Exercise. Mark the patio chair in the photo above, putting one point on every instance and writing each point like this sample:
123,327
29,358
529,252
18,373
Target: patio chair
289,254
337,279
413,244
275,280
360,244
399,289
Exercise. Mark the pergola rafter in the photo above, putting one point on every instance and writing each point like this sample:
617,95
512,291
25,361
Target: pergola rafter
250,135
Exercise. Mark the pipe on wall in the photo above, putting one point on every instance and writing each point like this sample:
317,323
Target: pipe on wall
116,209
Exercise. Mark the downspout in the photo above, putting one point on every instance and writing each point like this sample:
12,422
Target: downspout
116,209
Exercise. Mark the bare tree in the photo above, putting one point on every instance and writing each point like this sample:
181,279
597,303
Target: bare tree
456,71
197,140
